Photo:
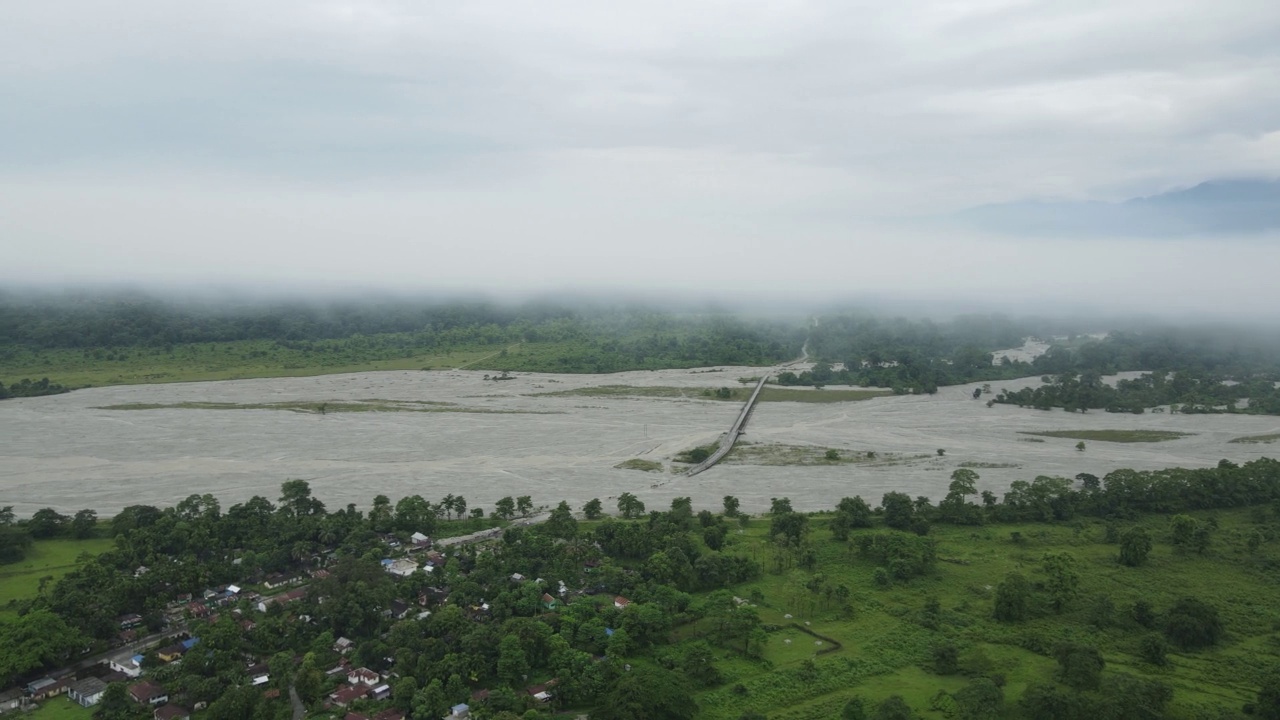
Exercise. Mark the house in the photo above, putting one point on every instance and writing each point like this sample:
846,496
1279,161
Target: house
343,697
169,653
320,574
258,674
398,610
459,712
402,567
87,692
355,716
282,599
542,693
549,602
11,699
171,712
420,540
233,590
129,666
45,687
127,636
621,603
382,692
278,580
148,693
198,610
343,646
517,577
129,621
363,676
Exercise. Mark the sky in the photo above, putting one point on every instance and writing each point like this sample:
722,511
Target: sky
773,149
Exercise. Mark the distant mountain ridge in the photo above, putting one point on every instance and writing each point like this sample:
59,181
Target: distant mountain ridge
1227,207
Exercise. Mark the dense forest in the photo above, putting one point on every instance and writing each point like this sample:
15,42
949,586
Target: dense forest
678,614
73,341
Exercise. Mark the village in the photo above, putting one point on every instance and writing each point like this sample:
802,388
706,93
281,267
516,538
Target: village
355,692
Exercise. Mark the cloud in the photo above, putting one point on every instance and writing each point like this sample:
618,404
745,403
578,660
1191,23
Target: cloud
586,129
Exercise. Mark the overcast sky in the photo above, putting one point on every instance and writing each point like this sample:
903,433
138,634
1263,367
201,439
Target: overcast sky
689,145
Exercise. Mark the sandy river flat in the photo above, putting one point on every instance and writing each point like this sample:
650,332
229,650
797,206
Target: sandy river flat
65,452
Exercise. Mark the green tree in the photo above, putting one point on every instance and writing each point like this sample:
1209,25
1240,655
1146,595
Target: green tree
1192,624
731,505
630,506
893,708
1135,545
1268,705
1013,599
46,523
946,658
1153,649
1079,666
648,693
779,506
505,508
512,664
899,511
1063,582
524,505
84,524
115,704
561,523
593,509
981,699
855,709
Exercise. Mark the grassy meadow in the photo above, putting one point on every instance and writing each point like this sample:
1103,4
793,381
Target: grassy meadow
885,647
46,558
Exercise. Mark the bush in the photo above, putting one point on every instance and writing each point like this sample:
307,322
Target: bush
1153,649
1192,623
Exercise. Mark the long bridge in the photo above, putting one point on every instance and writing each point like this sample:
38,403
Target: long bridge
731,437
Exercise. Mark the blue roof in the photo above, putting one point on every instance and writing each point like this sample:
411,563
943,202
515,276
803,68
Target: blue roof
608,632
137,659
387,561
188,644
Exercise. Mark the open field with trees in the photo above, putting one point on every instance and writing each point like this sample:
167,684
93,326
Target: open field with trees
1137,594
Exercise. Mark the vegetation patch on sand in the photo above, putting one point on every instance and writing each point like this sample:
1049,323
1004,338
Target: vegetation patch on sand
775,394
1120,436
323,408
738,394
781,454
693,456
657,391
972,465
638,464
1256,439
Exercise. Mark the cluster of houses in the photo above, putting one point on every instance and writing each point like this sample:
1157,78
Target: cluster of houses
88,690
362,684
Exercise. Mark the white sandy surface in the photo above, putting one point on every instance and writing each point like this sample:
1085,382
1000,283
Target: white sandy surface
62,452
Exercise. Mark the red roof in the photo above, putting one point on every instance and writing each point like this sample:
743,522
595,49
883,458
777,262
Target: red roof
621,601
349,694
170,712
355,716
144,691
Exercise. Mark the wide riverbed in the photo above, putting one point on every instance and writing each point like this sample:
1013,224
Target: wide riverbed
68,453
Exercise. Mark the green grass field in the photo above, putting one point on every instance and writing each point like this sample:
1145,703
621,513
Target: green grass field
219,361
46,558
1119,436
886,646
58,708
